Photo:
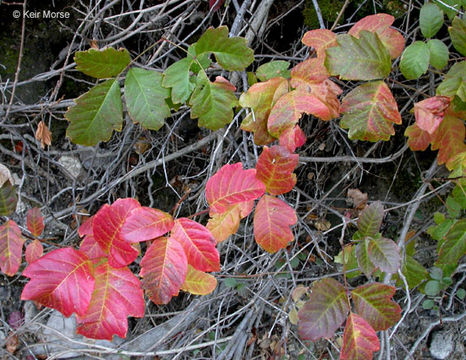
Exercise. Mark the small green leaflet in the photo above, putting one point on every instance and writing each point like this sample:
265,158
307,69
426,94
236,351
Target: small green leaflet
231,53
415,60
102,63
438,53
453,247
177,77
273,69
8,199
454,82
458,34
145,98
430,19
96,114
213,102
365,58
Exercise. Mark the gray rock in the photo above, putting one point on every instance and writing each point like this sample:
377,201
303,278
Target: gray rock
442,344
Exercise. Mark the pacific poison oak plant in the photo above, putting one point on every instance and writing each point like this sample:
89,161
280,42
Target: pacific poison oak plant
95,281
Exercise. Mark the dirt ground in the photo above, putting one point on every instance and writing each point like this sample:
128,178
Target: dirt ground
247,316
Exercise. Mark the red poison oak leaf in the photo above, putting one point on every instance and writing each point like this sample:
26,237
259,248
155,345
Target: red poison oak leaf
145,223
272,220
359,339
449,138
35,222
275,168
33,251
91,248
320,40
86,227
325,311
198,244
214,5
418,139
107,231
429,112
61,280
117,295
232,185
292,138
163,269
11,247
374,303
309,71
227,223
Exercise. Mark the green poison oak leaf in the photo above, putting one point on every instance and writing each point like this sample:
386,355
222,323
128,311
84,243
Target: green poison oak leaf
370,219
292,138
144,223
430,19
320,40
374,303
8,199
415,60
359,339
232,185
11,247
454,82
224,224
145,98
104,63
363,58
106,227
453,246
177,77
163,269
457,32
231,53
273,69
429,113
198,244
380,24
384,254
117,295
275,168
198,282
35,222
261,97
62,280
325,311
96,114
369,112
438,53
272,220
362,255
213,102
34,250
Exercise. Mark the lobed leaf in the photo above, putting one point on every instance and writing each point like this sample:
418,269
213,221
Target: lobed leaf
363,58
430,19
385,254
370,112
418,139
272,220
213,102
222,225
438,53
117,295
91,248
62,280
292,138
35,222
415,60
8,199
457,32
106,227
232,185
320,40
11,247
273,69
359,339
145,98
102,63
198,282
454,82
231,53
309,71
380,24
163,269
96,114
177,77
144,223
374,303
325,311
429,113
370,219
275,168
453,248
33,251
198,244
449,139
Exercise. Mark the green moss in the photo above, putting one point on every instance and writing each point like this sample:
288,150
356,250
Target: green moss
328,8
394,7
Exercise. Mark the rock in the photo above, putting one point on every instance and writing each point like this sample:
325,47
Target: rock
442,344
71,164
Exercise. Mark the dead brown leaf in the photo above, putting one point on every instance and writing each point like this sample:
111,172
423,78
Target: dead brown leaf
43,134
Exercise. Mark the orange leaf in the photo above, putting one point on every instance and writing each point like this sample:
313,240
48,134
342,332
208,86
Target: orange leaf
275,168
380,24
227,223
320,40
43,134
11,247
292,138
449,138
429,113
418,139
359,339
35,222
309,71
34,251
272,220
198,282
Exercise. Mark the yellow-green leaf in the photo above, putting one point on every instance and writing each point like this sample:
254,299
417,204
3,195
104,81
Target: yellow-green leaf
102,63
